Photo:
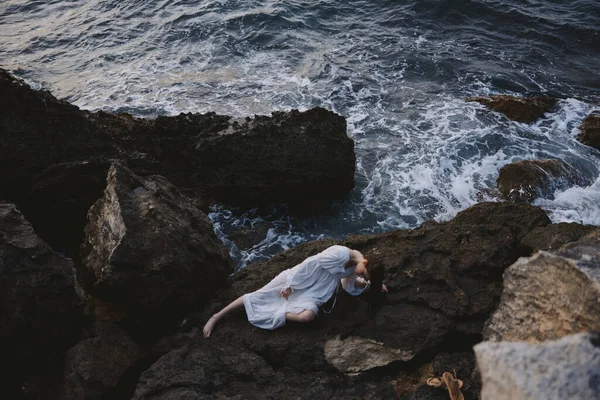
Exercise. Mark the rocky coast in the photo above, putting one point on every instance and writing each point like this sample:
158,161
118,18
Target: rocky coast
109,267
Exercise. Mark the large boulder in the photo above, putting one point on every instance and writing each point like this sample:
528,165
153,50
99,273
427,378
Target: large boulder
590,130
302,158
524,181
96,366
40,312
520,109
444,280
568,368
148,251
548,296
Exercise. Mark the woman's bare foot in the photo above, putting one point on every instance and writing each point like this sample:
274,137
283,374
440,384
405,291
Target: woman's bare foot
210,325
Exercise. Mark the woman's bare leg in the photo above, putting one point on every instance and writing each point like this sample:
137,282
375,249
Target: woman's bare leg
302,316
210,324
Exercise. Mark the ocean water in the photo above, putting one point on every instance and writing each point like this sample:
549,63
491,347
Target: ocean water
399,71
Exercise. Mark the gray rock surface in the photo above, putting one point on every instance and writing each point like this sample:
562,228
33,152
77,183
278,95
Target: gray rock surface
548,296
521,109
355,354
568,368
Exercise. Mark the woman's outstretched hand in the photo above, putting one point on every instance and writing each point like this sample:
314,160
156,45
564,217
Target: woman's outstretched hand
384,288
285,293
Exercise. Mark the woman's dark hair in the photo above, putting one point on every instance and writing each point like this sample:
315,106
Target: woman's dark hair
376,271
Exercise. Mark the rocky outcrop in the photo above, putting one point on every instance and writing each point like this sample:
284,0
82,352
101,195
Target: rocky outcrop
205,371
549,296
524,181
590,130
444,280
148,251
564,369
518,109
40,313
95,366
554,236
49,147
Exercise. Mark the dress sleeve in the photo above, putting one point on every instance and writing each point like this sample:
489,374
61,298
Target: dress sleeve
348,284
301,276
332,260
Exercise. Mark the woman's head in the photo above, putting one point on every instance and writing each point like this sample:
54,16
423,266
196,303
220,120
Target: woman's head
375,272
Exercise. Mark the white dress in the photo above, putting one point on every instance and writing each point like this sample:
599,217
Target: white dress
313,282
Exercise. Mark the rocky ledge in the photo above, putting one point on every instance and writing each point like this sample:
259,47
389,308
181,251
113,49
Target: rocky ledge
55,157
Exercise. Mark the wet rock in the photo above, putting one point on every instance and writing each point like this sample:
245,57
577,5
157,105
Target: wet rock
548,296
518,109
590,130
553,236
568,368
95,366
524,181
149,252
40,313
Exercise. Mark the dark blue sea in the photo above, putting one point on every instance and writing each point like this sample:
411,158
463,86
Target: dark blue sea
399,71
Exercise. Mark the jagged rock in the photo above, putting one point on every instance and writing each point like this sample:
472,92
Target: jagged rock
302,158
568,368
590,130
444,280
553,236
95,366
524,181
518,109
548,296
148,251
202,371
40,313
355,354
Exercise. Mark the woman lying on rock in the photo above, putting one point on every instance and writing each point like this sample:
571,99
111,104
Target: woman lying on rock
297,293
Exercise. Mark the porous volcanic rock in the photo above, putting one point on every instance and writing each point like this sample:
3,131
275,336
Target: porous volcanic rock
524,181
202,370
148,251
520,109
553,236
549,295
40,312
590,130
95,366
444,280
568,368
